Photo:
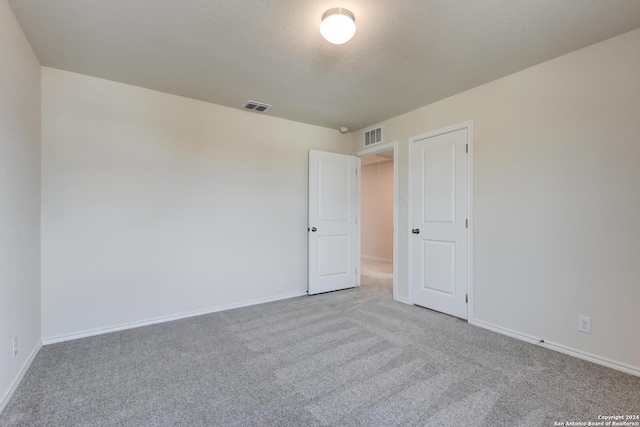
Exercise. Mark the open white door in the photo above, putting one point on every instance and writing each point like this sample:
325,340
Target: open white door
439,215
333,211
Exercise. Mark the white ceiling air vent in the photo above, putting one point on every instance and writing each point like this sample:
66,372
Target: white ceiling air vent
373,136
257,106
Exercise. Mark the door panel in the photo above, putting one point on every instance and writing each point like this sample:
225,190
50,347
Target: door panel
333,186
439,177
333,209
440,206
333,254
439,266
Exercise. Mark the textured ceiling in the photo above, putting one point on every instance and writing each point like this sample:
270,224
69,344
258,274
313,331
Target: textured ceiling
405,54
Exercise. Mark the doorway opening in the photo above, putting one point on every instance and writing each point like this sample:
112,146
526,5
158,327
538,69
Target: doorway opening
378,183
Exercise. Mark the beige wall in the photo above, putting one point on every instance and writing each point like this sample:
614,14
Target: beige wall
19,200
155,205
377,211
556,201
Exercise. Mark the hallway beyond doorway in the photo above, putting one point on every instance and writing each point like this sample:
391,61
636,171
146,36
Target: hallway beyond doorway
377,275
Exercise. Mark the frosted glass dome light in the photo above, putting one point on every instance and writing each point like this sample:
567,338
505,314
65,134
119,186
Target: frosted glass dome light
338,25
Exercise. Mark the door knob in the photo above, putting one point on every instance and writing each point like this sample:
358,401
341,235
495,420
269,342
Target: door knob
314,229
416,231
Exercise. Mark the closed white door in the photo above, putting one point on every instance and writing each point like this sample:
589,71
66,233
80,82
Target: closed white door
439,215
333,211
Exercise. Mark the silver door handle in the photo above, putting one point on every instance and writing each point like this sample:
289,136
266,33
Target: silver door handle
416,231
314,229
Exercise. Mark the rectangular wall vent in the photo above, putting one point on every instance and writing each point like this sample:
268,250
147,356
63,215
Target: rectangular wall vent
257,106
373,136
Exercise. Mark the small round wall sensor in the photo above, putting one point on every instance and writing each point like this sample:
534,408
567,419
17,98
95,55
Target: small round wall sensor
344,129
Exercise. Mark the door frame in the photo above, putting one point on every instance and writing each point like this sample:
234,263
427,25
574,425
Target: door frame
464,125
366,152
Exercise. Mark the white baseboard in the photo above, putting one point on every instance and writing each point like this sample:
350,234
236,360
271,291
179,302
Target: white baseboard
121,327
372,258
18,379
560,348
402,300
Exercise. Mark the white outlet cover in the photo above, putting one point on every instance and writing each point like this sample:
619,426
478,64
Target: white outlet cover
584,324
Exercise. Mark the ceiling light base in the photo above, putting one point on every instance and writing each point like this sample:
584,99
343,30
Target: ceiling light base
338,25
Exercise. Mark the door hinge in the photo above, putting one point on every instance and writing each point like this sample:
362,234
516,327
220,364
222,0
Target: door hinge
356,271
466,223
466,298
467,149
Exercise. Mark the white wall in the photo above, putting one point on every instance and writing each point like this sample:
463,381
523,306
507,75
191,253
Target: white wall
19,200
556,198
155,205
377,211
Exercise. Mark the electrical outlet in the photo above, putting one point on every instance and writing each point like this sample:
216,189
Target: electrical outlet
15,346
584,324
283,279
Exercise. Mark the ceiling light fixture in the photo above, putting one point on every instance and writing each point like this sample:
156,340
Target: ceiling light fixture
338,25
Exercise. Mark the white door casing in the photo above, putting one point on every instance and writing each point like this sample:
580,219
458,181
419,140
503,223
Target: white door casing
440,213
332,228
